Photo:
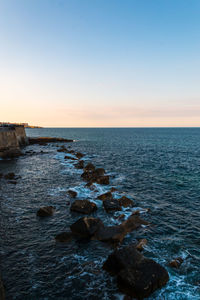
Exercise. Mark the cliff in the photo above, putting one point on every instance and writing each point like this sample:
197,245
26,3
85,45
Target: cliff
11,138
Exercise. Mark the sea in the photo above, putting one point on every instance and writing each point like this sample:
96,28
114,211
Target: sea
158,168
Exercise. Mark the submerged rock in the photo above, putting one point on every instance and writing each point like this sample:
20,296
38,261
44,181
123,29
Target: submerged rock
176,263
10,176
114,234
45,211
83,206
86,227
126,202
111,205
103,180
137,276
105,196
70,157
64,237
132,223
72,194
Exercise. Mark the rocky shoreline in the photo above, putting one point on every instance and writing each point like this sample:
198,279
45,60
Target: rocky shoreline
136,275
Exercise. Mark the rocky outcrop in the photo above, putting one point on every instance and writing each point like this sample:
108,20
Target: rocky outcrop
126,202
9,145
86,227
83,206
176,263
79,165
46,140
137,276
72,193
111,205
105,196
45,211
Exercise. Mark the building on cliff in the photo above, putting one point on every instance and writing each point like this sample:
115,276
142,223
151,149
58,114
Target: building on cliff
11,139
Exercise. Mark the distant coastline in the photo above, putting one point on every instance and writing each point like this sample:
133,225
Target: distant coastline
26,125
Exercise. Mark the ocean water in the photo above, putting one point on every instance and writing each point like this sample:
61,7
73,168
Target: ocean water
158,168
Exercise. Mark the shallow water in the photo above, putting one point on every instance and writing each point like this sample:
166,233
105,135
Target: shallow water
158,168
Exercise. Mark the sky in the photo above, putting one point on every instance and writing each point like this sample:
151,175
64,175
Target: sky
100,63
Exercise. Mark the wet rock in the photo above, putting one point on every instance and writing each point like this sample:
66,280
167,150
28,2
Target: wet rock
2,290
45,140
79,165
70,157
10,176
126,202
111,205
103,180
132,223
83,206
12,181
86,227
105,196
79,155
141,244
137,276
176,263
113,234
64,237
89,167
45,211
72,193
120,217
99,172
112,190
1,175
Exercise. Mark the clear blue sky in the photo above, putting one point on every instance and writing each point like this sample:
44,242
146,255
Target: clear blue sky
100,62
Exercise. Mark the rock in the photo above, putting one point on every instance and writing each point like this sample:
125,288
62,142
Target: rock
70,157
89,167
111,205
45,140
62,149
86,226
114,234
99,172
103,180
126,202
45,211
72,194
10,176
120,217
83,206
112,190
1,175
79,155
12,181
137,276
79,165
2,290
141,244
176,263
106,196
64,237
132,223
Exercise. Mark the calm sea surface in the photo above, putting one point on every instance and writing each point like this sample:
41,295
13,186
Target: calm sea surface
158,168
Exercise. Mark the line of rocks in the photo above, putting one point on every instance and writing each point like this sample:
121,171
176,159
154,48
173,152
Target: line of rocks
137,276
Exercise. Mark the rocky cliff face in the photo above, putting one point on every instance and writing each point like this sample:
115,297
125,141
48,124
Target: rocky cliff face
11,138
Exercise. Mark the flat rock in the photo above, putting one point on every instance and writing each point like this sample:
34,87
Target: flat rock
45,140
64,237
45,211
105,196
86,226
72,193
113,234
126,202
133,222
111,205
83,206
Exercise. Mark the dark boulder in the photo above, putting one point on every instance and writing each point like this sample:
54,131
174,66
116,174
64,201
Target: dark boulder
86,226
132,223
103,180
111,205
46,140
79,155
113,234
99,172
45,211
105,196
64,237
126,202
70,157
83,206
137,276
72,194
176,263
79,165
89,167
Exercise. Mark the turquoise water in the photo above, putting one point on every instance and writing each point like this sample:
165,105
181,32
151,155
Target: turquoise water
158,168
